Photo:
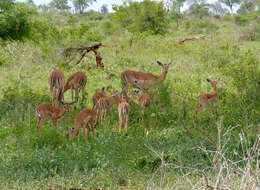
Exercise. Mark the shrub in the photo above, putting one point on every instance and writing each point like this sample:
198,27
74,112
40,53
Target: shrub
202,26
240,20
141,17
15,23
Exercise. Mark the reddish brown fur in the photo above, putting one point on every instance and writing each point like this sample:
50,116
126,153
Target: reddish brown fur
97,96
75,82
43,111
146,79
144,101
123,113
211,97
56,82
85,119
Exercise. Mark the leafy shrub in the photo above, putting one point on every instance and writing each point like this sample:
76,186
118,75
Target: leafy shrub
15,23
109,27
240,20
140,17
202,26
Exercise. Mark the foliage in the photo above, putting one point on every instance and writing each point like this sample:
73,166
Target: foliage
81,5
141,17
15,23
240,19
230,4
59,4
246,7
200,27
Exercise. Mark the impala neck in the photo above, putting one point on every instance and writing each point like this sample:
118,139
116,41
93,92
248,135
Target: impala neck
62,111
215,88
66,87
162,76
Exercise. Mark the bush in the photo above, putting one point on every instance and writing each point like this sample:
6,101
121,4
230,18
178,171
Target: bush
200,27
141,17
240,20
15,23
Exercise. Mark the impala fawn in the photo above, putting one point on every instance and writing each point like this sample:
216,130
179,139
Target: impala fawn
123,113
97,96
105,103
144,101
85,119
211,97
56,82
43,111
76,82
146,80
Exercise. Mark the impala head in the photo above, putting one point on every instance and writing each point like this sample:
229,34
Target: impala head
67,105
165,66
213,83
134,93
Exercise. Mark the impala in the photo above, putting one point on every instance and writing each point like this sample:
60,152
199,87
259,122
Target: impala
211,97
43,111
105,103
76,82
144,101
145,80
97,96
85,119
56,82
123,113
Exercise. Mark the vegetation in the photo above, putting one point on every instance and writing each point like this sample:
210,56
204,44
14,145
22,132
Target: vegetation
171,148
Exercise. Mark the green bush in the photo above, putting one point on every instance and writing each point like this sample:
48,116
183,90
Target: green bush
240,19
141,17
201,27
15,23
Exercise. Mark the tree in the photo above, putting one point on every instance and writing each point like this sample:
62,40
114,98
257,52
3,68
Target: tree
59,4
5,5
218,9
246,7
230,4
104,9
81,5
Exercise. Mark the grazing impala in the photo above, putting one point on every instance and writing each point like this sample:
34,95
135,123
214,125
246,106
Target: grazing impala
76,82
43,111
123,113
105,103
97,96
146,80
144,101
211,97
56,82
85,119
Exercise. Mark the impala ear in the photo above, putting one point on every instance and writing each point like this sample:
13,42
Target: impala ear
62,103
159,63
208,80
170,63
103,89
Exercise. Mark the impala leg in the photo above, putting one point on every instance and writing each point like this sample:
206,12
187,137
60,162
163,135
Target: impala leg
54,121
120,121
214,110
126,124
40,123
93,127
77,97
142,114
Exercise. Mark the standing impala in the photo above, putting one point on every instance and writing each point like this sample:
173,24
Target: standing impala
43,111
145,80
105,103
76,82
144,101
123,113
211,97
97,96
56,82
85,119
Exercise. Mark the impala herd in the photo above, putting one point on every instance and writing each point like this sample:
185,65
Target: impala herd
102,103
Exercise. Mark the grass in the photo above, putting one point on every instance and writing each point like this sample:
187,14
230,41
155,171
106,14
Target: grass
170,149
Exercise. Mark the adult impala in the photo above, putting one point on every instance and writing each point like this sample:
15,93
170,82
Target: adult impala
56,82
211,97
123,113
144,80
76,82
43,111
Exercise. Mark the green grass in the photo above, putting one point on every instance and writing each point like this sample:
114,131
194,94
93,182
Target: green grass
162,152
